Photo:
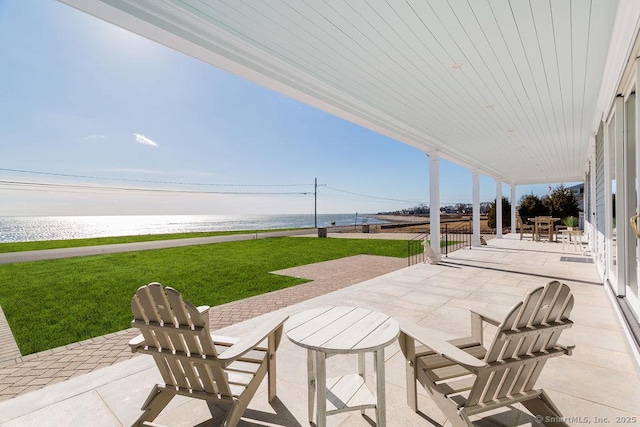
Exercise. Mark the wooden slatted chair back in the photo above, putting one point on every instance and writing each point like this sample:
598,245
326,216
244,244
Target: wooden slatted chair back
178,339
522,226
523,343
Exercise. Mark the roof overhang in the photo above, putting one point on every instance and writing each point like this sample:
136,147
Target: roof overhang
514,89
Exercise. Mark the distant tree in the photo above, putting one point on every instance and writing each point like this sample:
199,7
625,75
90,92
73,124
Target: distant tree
561,203
506,214
485,206
531,206
462,208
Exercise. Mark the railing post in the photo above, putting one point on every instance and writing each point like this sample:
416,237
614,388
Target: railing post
446,241
415,249
409,253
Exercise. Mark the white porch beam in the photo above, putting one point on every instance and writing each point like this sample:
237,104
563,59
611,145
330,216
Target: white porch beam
513,209
475,239
498,209
434,203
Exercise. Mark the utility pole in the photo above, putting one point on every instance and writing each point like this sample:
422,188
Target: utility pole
315,204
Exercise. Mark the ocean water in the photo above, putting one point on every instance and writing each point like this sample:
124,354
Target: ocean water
26,229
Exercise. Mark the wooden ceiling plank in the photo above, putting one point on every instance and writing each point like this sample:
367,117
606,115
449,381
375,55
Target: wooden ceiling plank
479,26
368,95
425,45
561,22
409,90
580,26
452,54
534,77
516,62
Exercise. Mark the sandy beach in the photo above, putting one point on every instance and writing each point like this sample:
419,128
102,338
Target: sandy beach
401,218
422,223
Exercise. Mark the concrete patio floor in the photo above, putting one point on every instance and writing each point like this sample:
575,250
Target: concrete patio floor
598,384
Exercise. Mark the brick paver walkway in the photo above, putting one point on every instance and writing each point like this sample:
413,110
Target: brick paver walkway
32,372
8,347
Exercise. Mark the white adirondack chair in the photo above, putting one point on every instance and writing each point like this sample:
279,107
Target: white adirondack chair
464,379
195,363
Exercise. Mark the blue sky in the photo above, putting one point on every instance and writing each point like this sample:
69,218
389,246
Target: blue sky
82,97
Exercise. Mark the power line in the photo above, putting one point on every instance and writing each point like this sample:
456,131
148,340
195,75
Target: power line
372,197
316,185
22,184
349,198
68,175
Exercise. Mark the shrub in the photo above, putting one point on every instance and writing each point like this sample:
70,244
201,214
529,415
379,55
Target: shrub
570,221
506,214
531,206
561,203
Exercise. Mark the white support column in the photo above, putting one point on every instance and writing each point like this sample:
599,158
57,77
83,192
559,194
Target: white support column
630,192
498,209
475,239
608,205
514,230
622,223
593,200
434,203
594,208
636,208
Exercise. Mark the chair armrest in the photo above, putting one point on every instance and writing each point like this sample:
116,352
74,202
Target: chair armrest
493,317
449,351
136,342
266,328
567,347
483,314
204,313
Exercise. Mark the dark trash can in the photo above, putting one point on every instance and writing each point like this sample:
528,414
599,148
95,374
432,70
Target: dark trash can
365,228
322,232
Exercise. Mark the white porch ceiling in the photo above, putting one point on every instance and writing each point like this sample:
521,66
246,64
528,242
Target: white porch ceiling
506,86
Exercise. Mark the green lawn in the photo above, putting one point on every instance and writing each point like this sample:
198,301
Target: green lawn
57,302
73,243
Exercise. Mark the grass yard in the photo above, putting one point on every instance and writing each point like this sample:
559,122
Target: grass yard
57,302
74,243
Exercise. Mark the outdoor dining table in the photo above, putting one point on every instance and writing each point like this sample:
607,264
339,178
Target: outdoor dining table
541,223
327,331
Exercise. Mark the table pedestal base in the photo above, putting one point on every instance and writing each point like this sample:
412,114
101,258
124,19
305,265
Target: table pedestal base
345,393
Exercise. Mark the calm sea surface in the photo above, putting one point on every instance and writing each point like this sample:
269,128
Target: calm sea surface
26,229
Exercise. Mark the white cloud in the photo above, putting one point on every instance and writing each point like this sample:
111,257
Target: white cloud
141,139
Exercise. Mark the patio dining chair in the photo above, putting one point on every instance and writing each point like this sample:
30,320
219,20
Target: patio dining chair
545,226
524,227
464,378
195,363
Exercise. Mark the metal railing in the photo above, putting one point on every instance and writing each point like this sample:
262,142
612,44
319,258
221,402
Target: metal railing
453,238
415,249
